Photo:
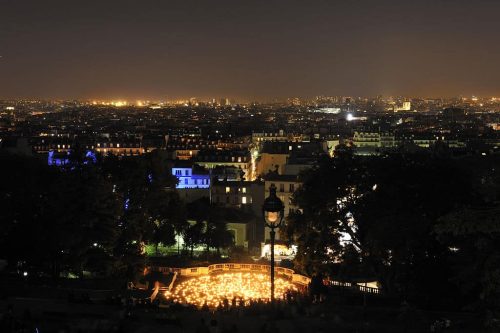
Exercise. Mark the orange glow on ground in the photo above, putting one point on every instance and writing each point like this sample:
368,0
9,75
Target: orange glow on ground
215,288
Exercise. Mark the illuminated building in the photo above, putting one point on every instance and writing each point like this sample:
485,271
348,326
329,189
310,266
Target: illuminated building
276,155
259,137
120,148
281,251
191,177
233,158
56,158
371,143
405,107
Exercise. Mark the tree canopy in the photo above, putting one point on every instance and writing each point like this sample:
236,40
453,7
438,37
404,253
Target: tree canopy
380,217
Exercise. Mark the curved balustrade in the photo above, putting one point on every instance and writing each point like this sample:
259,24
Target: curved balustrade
215,268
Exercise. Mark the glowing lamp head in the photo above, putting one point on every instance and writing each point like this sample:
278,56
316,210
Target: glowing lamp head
273,209
272,217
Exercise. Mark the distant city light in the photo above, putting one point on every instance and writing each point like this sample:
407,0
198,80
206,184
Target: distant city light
328,110
119,103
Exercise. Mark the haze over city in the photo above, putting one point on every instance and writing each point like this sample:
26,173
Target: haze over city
249,166
248,50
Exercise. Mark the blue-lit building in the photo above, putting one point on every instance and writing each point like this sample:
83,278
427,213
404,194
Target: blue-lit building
57,158
191,176
62,158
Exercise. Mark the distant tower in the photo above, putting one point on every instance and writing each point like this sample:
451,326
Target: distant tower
406,106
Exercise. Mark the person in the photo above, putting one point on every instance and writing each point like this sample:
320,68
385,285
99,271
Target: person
205,307
202,327
213,326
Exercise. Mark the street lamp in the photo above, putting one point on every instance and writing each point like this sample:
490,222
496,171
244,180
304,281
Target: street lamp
273,211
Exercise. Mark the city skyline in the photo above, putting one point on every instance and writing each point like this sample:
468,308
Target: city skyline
254,51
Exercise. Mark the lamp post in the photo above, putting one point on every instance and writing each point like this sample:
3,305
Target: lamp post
273,211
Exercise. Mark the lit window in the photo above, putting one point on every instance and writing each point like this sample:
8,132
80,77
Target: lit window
244,200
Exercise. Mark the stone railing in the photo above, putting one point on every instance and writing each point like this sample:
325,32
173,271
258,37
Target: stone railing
233,267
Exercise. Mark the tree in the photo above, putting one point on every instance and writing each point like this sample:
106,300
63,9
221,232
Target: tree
193,236
153,213
326,199
383,209
82,219
58,220
471,235
214,219
217,235
23,197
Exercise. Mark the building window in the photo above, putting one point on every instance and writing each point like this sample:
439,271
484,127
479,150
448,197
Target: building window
244,200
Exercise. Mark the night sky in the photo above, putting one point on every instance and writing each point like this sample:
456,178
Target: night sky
248,50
